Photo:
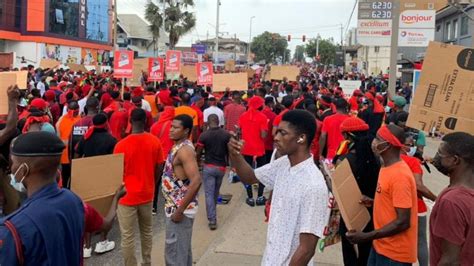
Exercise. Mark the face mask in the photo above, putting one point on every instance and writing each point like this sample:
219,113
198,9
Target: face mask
18,186
439,166
411,152
376,150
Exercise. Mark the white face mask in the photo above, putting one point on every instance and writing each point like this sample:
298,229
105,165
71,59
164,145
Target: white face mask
18,186
412,151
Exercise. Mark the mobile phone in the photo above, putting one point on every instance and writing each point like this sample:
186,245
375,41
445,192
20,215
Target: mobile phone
238,133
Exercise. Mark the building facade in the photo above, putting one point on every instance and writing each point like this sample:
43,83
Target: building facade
455,24
133,34
78,31
229,49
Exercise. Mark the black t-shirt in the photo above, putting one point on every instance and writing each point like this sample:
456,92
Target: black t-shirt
373,120
214,141
366,174
100,143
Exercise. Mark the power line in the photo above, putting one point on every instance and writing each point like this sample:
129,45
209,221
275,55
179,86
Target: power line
350,18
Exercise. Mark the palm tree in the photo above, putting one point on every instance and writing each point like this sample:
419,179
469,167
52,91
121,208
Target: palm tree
177,19
152,14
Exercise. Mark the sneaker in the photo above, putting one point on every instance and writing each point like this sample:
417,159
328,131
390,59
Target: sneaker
250,202
87,253
212,226
261,201
153,211
104,246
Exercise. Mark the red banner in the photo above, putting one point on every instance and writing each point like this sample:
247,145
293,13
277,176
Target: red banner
205,73
173,61
156,69
123,64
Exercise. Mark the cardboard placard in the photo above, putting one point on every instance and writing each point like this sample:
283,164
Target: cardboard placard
77,67
6,79
173,60
49,63
229,65
234,81
250,73
444,98
189,72
347,194
96,179
22,79
139,66
349,86
156,69
280,72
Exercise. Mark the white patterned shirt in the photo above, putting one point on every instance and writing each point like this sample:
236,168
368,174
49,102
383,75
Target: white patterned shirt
299,205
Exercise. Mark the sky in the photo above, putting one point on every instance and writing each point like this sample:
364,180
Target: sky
294,17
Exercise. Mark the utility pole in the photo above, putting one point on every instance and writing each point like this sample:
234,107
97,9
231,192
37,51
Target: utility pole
317,45
235,47
115,26
217,33
392,81
250,41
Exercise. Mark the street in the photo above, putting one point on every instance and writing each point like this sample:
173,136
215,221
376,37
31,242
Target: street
241,234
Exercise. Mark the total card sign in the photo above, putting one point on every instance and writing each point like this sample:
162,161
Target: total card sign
123,64
374,32
205,73
156,69
173,61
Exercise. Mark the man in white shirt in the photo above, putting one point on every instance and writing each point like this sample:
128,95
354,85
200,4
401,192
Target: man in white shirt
299,212
213,109
40,86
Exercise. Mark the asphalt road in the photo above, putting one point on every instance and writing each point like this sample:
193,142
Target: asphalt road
114,257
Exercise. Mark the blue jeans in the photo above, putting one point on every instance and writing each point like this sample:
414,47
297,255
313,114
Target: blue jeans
212,180
376,259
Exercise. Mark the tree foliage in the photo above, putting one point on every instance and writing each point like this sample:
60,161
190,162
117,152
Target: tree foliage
269,46
327,50
299,53
177,19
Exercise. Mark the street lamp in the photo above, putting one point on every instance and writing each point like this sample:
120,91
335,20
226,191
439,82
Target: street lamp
250,40
217,33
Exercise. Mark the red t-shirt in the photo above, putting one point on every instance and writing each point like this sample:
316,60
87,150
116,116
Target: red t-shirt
278,118
252,123
354,104
118,122
162,131
332,126
232,113
415,167
269,139
164,97
315,143
142,153
452,219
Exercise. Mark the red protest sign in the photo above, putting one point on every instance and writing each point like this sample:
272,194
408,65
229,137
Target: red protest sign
205,73
156,69
123,64
173,61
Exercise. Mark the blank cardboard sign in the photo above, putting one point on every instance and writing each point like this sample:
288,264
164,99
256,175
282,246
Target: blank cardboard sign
6,79
234,81
95,179
347,194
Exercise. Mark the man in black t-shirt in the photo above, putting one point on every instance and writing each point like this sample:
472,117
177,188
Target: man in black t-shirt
214,143
97,140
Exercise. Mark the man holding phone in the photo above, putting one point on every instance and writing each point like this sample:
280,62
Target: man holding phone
299,212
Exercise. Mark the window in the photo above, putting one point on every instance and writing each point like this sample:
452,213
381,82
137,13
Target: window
438,27
455,29
144,43
447,31
376,49
464,26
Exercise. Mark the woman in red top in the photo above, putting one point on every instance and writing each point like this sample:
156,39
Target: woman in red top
423,191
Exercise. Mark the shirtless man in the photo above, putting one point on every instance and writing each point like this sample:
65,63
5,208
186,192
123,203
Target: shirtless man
180,184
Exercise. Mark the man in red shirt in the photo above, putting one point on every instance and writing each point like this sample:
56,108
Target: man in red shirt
118,116
254,126
331,134
50,97
164,96
143,166
233,111
268,112
452,217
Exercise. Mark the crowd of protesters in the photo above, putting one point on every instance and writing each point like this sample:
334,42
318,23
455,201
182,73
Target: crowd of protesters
276,135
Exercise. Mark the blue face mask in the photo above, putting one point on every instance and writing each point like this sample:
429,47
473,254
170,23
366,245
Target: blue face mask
18,186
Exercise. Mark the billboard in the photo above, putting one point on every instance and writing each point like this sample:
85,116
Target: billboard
88,20
417,28
374,25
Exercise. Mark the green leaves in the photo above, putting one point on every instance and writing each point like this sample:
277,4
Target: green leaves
269,46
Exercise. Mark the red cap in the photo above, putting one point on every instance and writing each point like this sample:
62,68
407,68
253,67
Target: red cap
39,104
354,124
